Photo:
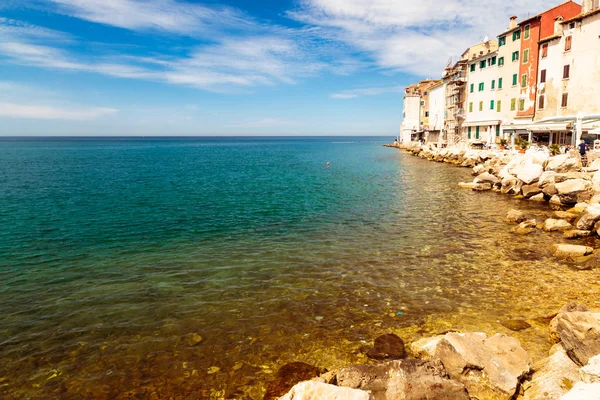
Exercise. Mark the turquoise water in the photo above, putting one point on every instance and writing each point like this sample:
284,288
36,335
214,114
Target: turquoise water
115,253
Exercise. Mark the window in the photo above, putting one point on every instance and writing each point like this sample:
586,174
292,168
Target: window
568,40
497,130
524,80
422,103
426,113
545,50
572,24
516,35
481,106
543,76
541,102
566,71
515,80
481,86
526,32
565,100
476,132
501,61
515,56
472,88
525,56
472,67
471,107
494,60
492,105
425,94
502,41
493,84
482,64
521,104
499,83
499,106
469,131
513,104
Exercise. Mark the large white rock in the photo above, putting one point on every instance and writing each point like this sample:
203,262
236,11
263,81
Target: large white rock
529,172
583,391
563,163
311,390
594,166
571,251
553,376
591,372
547,178
574,190
589,217
556,225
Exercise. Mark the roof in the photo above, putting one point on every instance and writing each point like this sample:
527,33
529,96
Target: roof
549,38
495,52
582,16
509,31
548,10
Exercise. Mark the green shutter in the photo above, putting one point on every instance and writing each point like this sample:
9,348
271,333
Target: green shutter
501,61
493,84
526,34
524,80
472,67
515,79
469,132
499,83
472,89
491,104
476,132
525,55
498,127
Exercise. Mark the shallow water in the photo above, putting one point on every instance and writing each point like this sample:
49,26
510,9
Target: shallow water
113,254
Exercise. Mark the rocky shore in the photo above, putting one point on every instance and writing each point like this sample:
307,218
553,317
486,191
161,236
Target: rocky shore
457,366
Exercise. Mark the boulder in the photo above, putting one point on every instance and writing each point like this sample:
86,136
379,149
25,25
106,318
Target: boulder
525,228
596,198
529,172
576,234
425,347
486,177
571,251
538,197
289,375
556,225
531,190
481,187
583,391
563,163
516,216
579,332
489,367
553,376
312,390
578,208
403,379
550,190
594,165
574,191
547,178
567,216
466,185
511,185
478,170
555,200
559,178
590,373
387,347
589,217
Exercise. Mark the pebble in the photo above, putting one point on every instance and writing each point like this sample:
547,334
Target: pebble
213,370
319,318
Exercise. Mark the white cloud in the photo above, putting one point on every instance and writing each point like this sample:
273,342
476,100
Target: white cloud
13,110
16,28
376,91
411,36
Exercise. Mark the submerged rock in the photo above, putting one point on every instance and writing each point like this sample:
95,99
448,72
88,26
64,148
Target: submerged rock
571,251
516,216
567,216
576,234
516,324
525,228
387,347
289,375
553,225
312,390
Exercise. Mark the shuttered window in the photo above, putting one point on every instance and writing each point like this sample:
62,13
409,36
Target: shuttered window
524,80
499,106
543,76
565,100
545,50
521,104
525,56
541,102
566,71
568,40
513,104
526,32
499,83
514,80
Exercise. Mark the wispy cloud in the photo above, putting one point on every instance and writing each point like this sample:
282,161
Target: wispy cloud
20,29
376,91
45,112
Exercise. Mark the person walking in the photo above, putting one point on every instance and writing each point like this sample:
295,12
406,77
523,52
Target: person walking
582,147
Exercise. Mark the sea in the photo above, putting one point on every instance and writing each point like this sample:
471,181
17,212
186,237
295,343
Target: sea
195,268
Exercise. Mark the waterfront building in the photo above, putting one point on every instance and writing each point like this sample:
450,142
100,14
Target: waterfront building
569,77
482,123
436,107
411,113
455,80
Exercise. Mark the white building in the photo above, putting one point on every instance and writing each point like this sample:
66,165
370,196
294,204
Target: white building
482,123
437,103
412,111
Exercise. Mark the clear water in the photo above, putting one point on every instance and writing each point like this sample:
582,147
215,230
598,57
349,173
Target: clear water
114,253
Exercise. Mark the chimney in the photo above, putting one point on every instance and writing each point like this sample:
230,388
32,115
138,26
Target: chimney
587,6
513,22
558,28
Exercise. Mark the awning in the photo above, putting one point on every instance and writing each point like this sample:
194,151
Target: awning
481,123
548,127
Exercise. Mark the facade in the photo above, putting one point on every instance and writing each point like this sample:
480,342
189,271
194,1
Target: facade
569,77
411,114
455,80
424,118
482,123
437,101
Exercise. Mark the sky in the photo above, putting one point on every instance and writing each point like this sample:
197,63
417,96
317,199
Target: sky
235,67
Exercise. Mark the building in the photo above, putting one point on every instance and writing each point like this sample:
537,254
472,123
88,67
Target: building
482,123
569,78
437,101
411,113
424,118
455,80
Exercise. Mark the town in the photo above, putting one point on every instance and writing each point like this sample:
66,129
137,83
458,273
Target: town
538,82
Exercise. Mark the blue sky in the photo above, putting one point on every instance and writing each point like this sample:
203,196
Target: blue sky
237,67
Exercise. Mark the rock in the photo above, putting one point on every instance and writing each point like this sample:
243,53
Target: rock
511,185
409,379
588,262
193,339
594,166
387,347
590,373
588,217
490,368
550,190
571,251
553,377
563,163
547,178
574,191
554,337
578,208
538,197
531,190
567,216
555,200
425,348
466,185
289,375
529,172
583,391
312,390
576,234
596,198
481,187
525,228
478,170
516,216
554,225
516,325
558,178
486,177
580,335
